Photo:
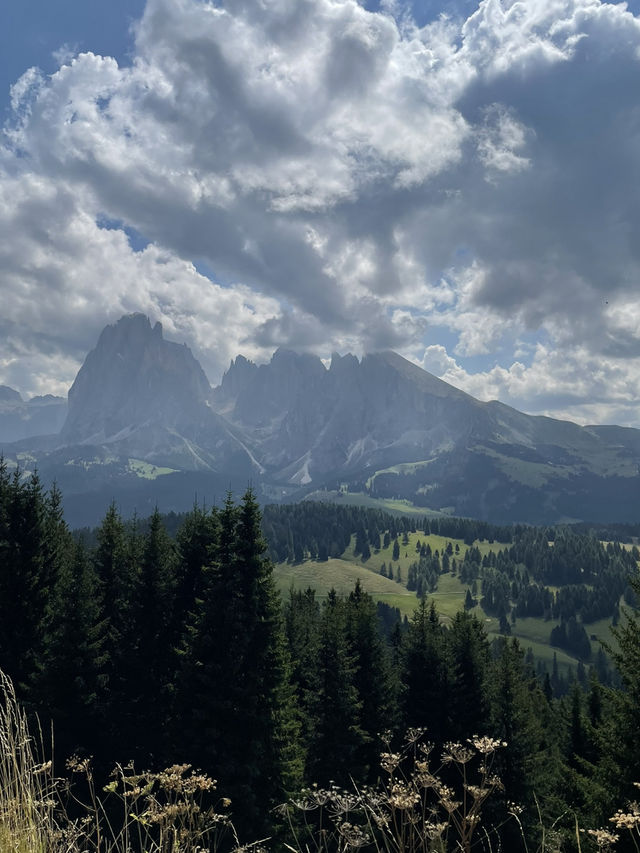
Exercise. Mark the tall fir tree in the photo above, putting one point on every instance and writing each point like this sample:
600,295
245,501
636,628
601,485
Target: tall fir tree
25,581
196,541
469,661
114,585
426,674
234,688
621,746
149,661
373,679
72,681
338,737
522,718
302,629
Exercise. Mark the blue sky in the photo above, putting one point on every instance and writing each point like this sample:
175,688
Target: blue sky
33,31
457,182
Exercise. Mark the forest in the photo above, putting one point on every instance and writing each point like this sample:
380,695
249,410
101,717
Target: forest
168,644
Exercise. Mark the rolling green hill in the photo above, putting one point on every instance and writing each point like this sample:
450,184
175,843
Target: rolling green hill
449,595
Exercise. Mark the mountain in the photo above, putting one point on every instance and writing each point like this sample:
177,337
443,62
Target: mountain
133,379
386,427
144,426
21,419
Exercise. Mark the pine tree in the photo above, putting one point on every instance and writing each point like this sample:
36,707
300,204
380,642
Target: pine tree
149,662
25,580
469,661
520,716
235,699
372,679
425,674
115,583
338,736
396,549
196,541
302,628
270,729
71,682
621,752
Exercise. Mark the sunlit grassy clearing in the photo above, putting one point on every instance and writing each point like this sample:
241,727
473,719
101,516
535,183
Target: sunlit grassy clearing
147,471
340,575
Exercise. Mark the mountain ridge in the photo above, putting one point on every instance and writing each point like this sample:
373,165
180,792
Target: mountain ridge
141,408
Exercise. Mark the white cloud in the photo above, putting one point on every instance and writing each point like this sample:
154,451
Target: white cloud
574,386
353,180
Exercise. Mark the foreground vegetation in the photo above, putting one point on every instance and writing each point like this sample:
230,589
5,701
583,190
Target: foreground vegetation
174,651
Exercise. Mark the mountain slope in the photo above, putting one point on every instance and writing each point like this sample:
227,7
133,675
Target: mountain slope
387,427
144,425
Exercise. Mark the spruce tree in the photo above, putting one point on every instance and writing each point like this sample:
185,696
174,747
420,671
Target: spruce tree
196,541
71,682
25,580
149,661
372,679
338,737
426,674
114,584
621,751
521,716
302,628
469,661
234,691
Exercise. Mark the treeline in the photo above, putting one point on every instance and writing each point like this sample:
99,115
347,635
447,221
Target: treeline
179,649
322,530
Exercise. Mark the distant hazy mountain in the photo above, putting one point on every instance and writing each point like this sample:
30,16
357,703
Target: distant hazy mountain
27,418
143,425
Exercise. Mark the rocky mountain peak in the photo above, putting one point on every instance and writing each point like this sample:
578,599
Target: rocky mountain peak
235,380
343,364
133,377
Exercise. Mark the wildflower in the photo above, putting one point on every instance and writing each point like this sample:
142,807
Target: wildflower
486,745
456,752
477,792
627,820
414,734
402,797
603,838
389,761
435,830
353,835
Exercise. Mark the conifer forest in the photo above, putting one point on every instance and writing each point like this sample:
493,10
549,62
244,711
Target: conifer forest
164,642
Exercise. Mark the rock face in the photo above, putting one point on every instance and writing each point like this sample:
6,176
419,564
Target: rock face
132,379
376,411
387,427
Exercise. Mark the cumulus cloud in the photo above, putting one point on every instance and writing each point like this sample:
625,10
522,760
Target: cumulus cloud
352,180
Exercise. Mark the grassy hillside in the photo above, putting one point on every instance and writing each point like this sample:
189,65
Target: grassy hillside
341,574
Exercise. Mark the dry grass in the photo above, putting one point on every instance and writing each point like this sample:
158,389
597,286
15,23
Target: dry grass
414,810
161,812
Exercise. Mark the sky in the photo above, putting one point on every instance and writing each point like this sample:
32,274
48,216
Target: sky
458,182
